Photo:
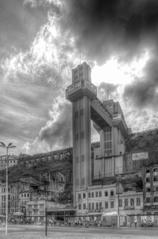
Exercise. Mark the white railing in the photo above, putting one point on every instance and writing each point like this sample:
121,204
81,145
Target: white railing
80,85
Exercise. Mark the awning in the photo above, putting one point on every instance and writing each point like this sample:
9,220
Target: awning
109,214
18,213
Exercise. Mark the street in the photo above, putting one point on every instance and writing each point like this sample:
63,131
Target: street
34,231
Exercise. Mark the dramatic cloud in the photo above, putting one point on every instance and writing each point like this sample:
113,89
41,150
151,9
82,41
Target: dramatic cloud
30,81
106,91
143,92
41,41
19,24
103,28
57,132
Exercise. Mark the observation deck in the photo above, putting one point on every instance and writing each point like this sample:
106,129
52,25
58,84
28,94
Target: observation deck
79,89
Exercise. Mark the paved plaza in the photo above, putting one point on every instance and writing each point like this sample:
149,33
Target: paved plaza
37,232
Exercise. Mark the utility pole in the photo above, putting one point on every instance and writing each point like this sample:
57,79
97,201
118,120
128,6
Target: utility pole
118,198
46,218
7,147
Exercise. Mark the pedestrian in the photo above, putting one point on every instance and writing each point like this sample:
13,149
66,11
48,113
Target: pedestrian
135,222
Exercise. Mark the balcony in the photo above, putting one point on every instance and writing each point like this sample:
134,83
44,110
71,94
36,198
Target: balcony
129,207
118,120
82,87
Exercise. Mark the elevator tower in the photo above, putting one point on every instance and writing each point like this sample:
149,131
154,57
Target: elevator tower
81,92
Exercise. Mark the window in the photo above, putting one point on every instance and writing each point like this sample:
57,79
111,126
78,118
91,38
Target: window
100,205
155,199
126,202
132,202
106,193
147,200
155,170
79,196
84,206
148,171
89,195
147,180
92,194
148,189
96,206
92,205
106,204
79,206
107,141
120,202
112,204
155,179
84,195
96,194
100,194
89,206
111,193
138,201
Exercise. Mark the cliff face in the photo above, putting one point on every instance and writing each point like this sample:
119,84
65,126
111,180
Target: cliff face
54,176
143,141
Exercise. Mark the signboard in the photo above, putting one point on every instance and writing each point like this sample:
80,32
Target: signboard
147,220
113,213
150,207
140,156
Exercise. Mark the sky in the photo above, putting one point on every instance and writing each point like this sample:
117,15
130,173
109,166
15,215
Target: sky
42,40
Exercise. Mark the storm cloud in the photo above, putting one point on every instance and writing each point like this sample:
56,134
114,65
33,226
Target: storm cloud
57,132
143,92
102,28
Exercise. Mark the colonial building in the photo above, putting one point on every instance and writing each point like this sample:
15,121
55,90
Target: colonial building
12,161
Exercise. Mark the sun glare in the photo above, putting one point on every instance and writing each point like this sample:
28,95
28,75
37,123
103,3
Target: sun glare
119,73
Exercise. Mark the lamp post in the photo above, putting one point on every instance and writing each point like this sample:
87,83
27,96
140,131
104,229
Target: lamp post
118,179
7,147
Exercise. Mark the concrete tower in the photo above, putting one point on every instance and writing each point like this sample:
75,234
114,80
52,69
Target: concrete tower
81,92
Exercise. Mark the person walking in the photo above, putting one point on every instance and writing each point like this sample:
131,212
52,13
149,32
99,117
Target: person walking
135,222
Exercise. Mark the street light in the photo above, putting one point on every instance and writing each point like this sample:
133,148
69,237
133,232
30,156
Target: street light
7,147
